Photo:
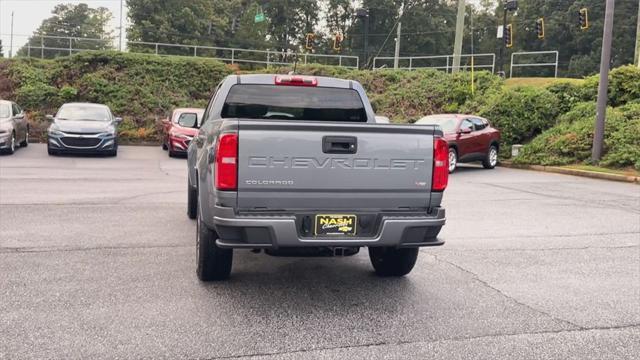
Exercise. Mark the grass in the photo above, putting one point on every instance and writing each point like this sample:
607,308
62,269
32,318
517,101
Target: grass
538,82
626,172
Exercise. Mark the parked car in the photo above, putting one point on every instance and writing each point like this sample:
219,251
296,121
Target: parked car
298,166
471,138
14,127
83,128
179,129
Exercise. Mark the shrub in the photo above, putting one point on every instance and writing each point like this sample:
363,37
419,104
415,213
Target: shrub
570,141
520,113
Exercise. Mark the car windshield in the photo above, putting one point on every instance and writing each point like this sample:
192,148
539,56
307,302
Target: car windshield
447,123
83,112
294,103
5,111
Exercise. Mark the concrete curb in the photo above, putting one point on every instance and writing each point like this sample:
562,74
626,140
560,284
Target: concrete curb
574,172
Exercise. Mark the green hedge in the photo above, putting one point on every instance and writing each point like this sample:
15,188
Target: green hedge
520,113
140,88
570,141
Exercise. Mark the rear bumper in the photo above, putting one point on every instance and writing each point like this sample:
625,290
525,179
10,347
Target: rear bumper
241,231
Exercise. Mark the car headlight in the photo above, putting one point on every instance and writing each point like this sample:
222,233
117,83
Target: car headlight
55,133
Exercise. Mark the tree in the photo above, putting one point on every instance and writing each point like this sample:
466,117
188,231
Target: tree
194,22
88,27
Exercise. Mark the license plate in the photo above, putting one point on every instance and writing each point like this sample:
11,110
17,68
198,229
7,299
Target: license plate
333,224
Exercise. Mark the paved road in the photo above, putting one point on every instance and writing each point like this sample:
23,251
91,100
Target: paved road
97,260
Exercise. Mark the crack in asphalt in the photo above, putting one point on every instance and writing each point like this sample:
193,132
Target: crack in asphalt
453,339
540,249
524,236
518,302
72,249
603,204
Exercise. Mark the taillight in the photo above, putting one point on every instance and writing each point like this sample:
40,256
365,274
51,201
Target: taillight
296,80
226,166
440,164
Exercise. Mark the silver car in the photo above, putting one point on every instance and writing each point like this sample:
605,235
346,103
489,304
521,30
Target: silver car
14,127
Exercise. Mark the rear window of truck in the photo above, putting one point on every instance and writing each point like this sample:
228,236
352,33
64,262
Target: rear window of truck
294,103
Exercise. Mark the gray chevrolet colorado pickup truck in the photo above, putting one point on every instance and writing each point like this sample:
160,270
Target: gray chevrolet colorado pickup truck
297,166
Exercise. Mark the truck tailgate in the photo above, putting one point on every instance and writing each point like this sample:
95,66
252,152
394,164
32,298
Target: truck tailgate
291,165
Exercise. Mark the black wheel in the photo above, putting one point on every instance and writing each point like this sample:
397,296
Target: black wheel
192,201
171,153
390,261
212,263
50,150
453,160
25,143
491,159
164,146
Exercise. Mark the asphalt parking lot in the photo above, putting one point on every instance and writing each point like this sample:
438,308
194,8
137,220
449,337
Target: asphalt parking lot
97,261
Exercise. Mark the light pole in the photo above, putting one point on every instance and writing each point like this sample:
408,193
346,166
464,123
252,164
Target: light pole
601,107
363,14
121,7
11,40
509,5
457,46
396,54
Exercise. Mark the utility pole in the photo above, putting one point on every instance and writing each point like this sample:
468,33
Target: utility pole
598,136
363,14
457,46
396,57
121,7
637,57
11,41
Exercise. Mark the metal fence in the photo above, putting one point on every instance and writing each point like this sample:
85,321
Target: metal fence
239,56
52,46
438,62
534,64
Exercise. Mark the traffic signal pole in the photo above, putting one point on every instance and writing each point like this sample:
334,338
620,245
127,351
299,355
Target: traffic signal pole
598,136
502,41
457,47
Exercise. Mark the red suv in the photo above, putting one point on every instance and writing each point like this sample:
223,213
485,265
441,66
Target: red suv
470,138
179,129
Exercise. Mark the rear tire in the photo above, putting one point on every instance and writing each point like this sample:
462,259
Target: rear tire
25,143
391,261
164,147
453,160
212,262
491,159
192,201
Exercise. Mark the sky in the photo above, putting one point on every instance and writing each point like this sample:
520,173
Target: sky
28,15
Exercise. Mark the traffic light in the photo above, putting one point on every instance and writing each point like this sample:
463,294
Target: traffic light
310,41
337,41
508,35
540,28
235,24
584,18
